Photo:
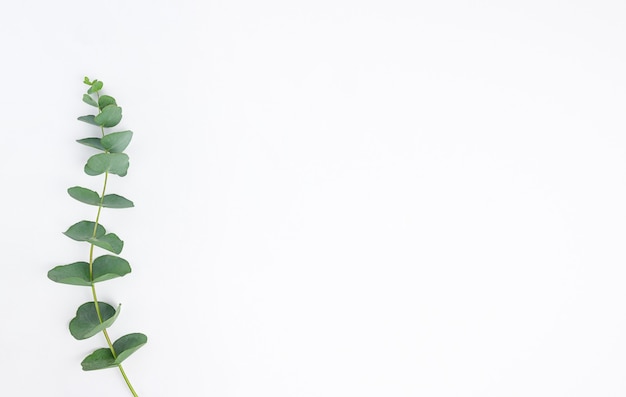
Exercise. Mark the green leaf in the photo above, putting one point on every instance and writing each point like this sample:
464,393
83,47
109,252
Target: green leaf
91,142
89,100
99,359
95,86
116,201
89,119
91,197
107,267
124,347
114,163
86,81
110,116
83,231
116,142
84,195
87,323
127,345
74,274
109,242
105,100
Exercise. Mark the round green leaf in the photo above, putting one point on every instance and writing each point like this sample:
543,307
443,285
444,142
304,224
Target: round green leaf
114,163
107,267
124,347
105,100
89,100
116,201
89,119
110,116
84,195
84,231
91,142
99,359
109,242
116,142
95,86
76,273
127,345
87,323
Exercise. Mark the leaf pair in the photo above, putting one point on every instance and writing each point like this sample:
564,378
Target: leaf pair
90,197
109,116
96,85
112,160
124,347
114,142
105,267
113,163
95,234
89,321
103,101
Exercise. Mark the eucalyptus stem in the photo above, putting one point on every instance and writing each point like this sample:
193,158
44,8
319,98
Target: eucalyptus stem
95,317
93,285
127,381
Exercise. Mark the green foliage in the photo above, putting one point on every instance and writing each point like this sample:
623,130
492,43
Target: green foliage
109,242
124,347
95,234
91,197
105,101
76,273
90,321
95,317
89,119
100,359
116,142
116,201
128,344
107,267
89,100
104,268
85,230
92,142
95,86
84,195
113,163
110,116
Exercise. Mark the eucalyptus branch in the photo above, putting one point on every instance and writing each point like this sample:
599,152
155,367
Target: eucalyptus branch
96,316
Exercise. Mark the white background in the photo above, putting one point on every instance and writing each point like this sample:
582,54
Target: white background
333,198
